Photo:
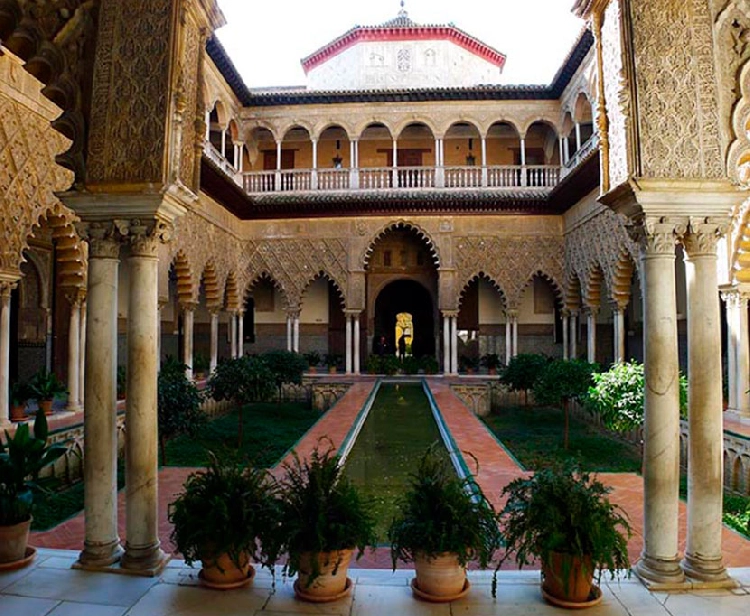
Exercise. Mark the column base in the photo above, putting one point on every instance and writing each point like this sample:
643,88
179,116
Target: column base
97,556
664,573
704,570
147,561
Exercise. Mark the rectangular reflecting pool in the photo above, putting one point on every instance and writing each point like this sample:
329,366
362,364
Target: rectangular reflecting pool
397,431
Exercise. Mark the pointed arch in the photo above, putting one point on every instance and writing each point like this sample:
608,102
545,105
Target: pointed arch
324,274
266,276
231,293
476,277
404,225
592,293
211,286
186,291
572,296
622,279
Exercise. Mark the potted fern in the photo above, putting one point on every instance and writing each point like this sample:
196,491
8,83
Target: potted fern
221,518
444,522
562,517
47,388
322,520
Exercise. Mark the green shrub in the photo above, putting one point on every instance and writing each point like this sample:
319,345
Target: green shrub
285,366
179,403
410,365
429,364
618,396
522,371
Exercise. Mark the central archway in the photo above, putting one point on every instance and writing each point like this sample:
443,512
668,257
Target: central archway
405,296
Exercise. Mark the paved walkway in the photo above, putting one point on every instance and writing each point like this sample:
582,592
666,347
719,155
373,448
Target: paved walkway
49,587
496,469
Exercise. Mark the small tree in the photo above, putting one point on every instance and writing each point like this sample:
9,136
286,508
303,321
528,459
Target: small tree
242,380
562,381
618,396
522,371
179,405
286,367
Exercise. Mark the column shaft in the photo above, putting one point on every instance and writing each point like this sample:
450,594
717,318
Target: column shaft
214,341
82,357
74,352
288,332
591,336
454,345
295,334
240,334
348,344
732,315
188,319
706,433
743,358
4,354
233,334
508,339
661,454
357,344
446,345
101,542
565,327
142,548
573,335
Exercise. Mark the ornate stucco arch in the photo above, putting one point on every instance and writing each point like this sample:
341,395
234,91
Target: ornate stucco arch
364,258
211,286
187,289
481,275
324,275
256,277
551,278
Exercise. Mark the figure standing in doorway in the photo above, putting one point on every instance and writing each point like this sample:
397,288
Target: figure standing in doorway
402,347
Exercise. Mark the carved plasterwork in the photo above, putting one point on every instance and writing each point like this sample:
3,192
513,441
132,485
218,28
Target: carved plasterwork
29,175
186,95
509,262
678,117
616,94
601,243
130,96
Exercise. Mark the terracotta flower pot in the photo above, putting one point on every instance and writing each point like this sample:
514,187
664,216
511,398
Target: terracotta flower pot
13,541
332,582
223,573
332,369
568,578
46,406
440,578
18,412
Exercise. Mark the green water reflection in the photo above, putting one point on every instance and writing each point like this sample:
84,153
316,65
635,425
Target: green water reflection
398,429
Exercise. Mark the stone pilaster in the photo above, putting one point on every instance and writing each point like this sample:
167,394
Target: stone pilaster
101,541
659,561
703,557
143,554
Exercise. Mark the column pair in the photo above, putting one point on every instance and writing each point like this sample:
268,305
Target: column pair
450,341
76,297
352,341
659,561
292,330
6,288
142,554
511,334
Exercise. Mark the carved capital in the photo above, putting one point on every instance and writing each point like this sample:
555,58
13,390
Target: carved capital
104,238
657,235
450,313
76,296
6,287
188,306
146,236
703,236
293,313
512,315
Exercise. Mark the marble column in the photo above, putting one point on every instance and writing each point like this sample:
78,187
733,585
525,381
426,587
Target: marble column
240,333
357,344
454,344
446,344
188,321
5,291
514,324
233,334
591,334
143,552
508,338
214,343
101,542
75,297
288,331
661,453
618,315
743,357
82,358
573,334
703,559
731,301
348,355
565,328
295,332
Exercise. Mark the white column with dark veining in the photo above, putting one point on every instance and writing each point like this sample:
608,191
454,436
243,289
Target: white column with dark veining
618,317
5,291
573,334
143,548
565,331
75,297
214,343
446,344
743,356
295,332
288,331
357,344
348,355
731,303
82,358
703,557
661,453
591,334
101,541
454,344
508,338
188,321
240,333
233,335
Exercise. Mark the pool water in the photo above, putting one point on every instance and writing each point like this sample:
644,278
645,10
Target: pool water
397,431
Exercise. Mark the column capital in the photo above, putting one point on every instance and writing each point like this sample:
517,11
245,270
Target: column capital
104,238
6,286
188,306
352,313
592,309
450,313
76,296
703,235
512,314
146,235
293,312
657,235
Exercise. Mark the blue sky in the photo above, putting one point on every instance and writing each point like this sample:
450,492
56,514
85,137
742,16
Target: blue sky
266,39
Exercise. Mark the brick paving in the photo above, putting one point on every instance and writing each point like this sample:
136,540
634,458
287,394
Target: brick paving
496,469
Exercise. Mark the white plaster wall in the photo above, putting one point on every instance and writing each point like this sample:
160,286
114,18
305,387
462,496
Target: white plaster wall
491,308
370,65
315,303
526,314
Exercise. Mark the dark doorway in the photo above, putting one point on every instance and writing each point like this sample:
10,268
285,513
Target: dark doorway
405,296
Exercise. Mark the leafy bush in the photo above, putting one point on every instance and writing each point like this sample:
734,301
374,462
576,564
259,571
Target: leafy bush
522,371
429,364
313,358
562,381
286,367
179,405
383,364
618,396
201,363
410,365
491,361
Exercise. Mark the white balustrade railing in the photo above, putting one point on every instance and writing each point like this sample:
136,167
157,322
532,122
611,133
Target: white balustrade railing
383,178
222,162
586,148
